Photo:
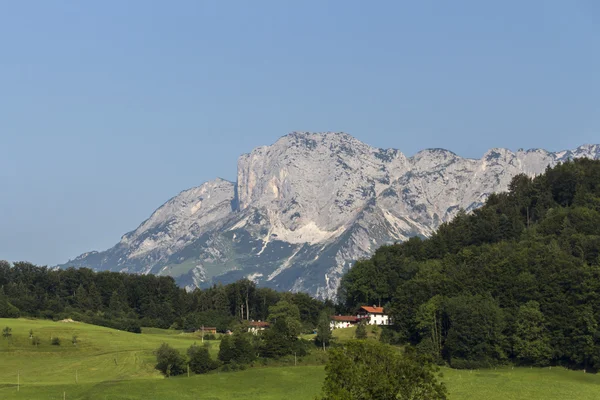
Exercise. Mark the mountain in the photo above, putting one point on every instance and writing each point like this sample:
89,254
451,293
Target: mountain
305,208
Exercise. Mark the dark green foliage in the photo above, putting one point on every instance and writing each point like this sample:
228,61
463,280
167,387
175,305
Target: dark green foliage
7,310
226,349
127,302
200,361
361,331
365,370
55,341
324,333
531,342
280,339
169,361
515,280
7,332
237,348
475,325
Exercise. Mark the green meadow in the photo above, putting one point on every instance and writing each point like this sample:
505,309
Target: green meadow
111,364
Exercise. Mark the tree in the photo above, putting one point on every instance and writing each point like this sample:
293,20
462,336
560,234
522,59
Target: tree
237,348
31,334
288,312
35,341
7,333
429,322
244,352
74,340
279,339
365,370
81,298
7,310
55,341
200,361
226,349
475,331
115,305
324,333
361,331
169,361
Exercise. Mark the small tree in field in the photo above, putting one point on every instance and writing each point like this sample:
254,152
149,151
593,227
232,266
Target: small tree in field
35,341
324,333
200,361
55,341
169,361
31,334
74,340
7,333
361,331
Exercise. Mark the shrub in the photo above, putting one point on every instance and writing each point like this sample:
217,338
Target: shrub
200,361
55,341
361,331
366,369
169,361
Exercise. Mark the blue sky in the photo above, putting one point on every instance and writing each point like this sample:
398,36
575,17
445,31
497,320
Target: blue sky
109,108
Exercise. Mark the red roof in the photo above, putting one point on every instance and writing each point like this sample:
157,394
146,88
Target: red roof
344,318
259,324
372,310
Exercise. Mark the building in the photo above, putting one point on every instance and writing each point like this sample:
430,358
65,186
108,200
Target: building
343,321
207,330
257,326
373,316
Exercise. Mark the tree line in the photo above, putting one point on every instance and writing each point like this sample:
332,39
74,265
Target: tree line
517,280
127,301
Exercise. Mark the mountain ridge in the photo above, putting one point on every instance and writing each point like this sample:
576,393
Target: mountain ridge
306,207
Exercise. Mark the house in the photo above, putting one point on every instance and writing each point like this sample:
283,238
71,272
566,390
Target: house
257,326
373,316
205,330
343,321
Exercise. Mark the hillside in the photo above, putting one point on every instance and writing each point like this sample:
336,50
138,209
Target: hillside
517,280
48,372
305,208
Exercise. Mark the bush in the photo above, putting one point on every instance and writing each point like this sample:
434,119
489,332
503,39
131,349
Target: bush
361,331
390,336
366,369
200,361
169,361
7,310
210,336
55,341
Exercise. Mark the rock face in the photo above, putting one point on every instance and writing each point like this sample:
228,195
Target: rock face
305,208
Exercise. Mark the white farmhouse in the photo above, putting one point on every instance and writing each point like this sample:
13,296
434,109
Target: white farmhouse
343,321
255,327
373,316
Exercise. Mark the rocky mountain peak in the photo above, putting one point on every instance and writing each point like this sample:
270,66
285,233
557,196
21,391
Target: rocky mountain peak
306,207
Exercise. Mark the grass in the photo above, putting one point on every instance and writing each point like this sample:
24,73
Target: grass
111,364
521,384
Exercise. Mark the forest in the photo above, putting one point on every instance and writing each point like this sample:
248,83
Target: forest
517,280
128,302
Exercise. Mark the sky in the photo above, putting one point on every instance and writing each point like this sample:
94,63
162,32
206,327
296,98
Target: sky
109,108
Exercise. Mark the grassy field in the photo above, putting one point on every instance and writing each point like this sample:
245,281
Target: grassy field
110,364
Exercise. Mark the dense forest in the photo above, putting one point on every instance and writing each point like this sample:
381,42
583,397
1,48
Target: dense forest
127,302
517,280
